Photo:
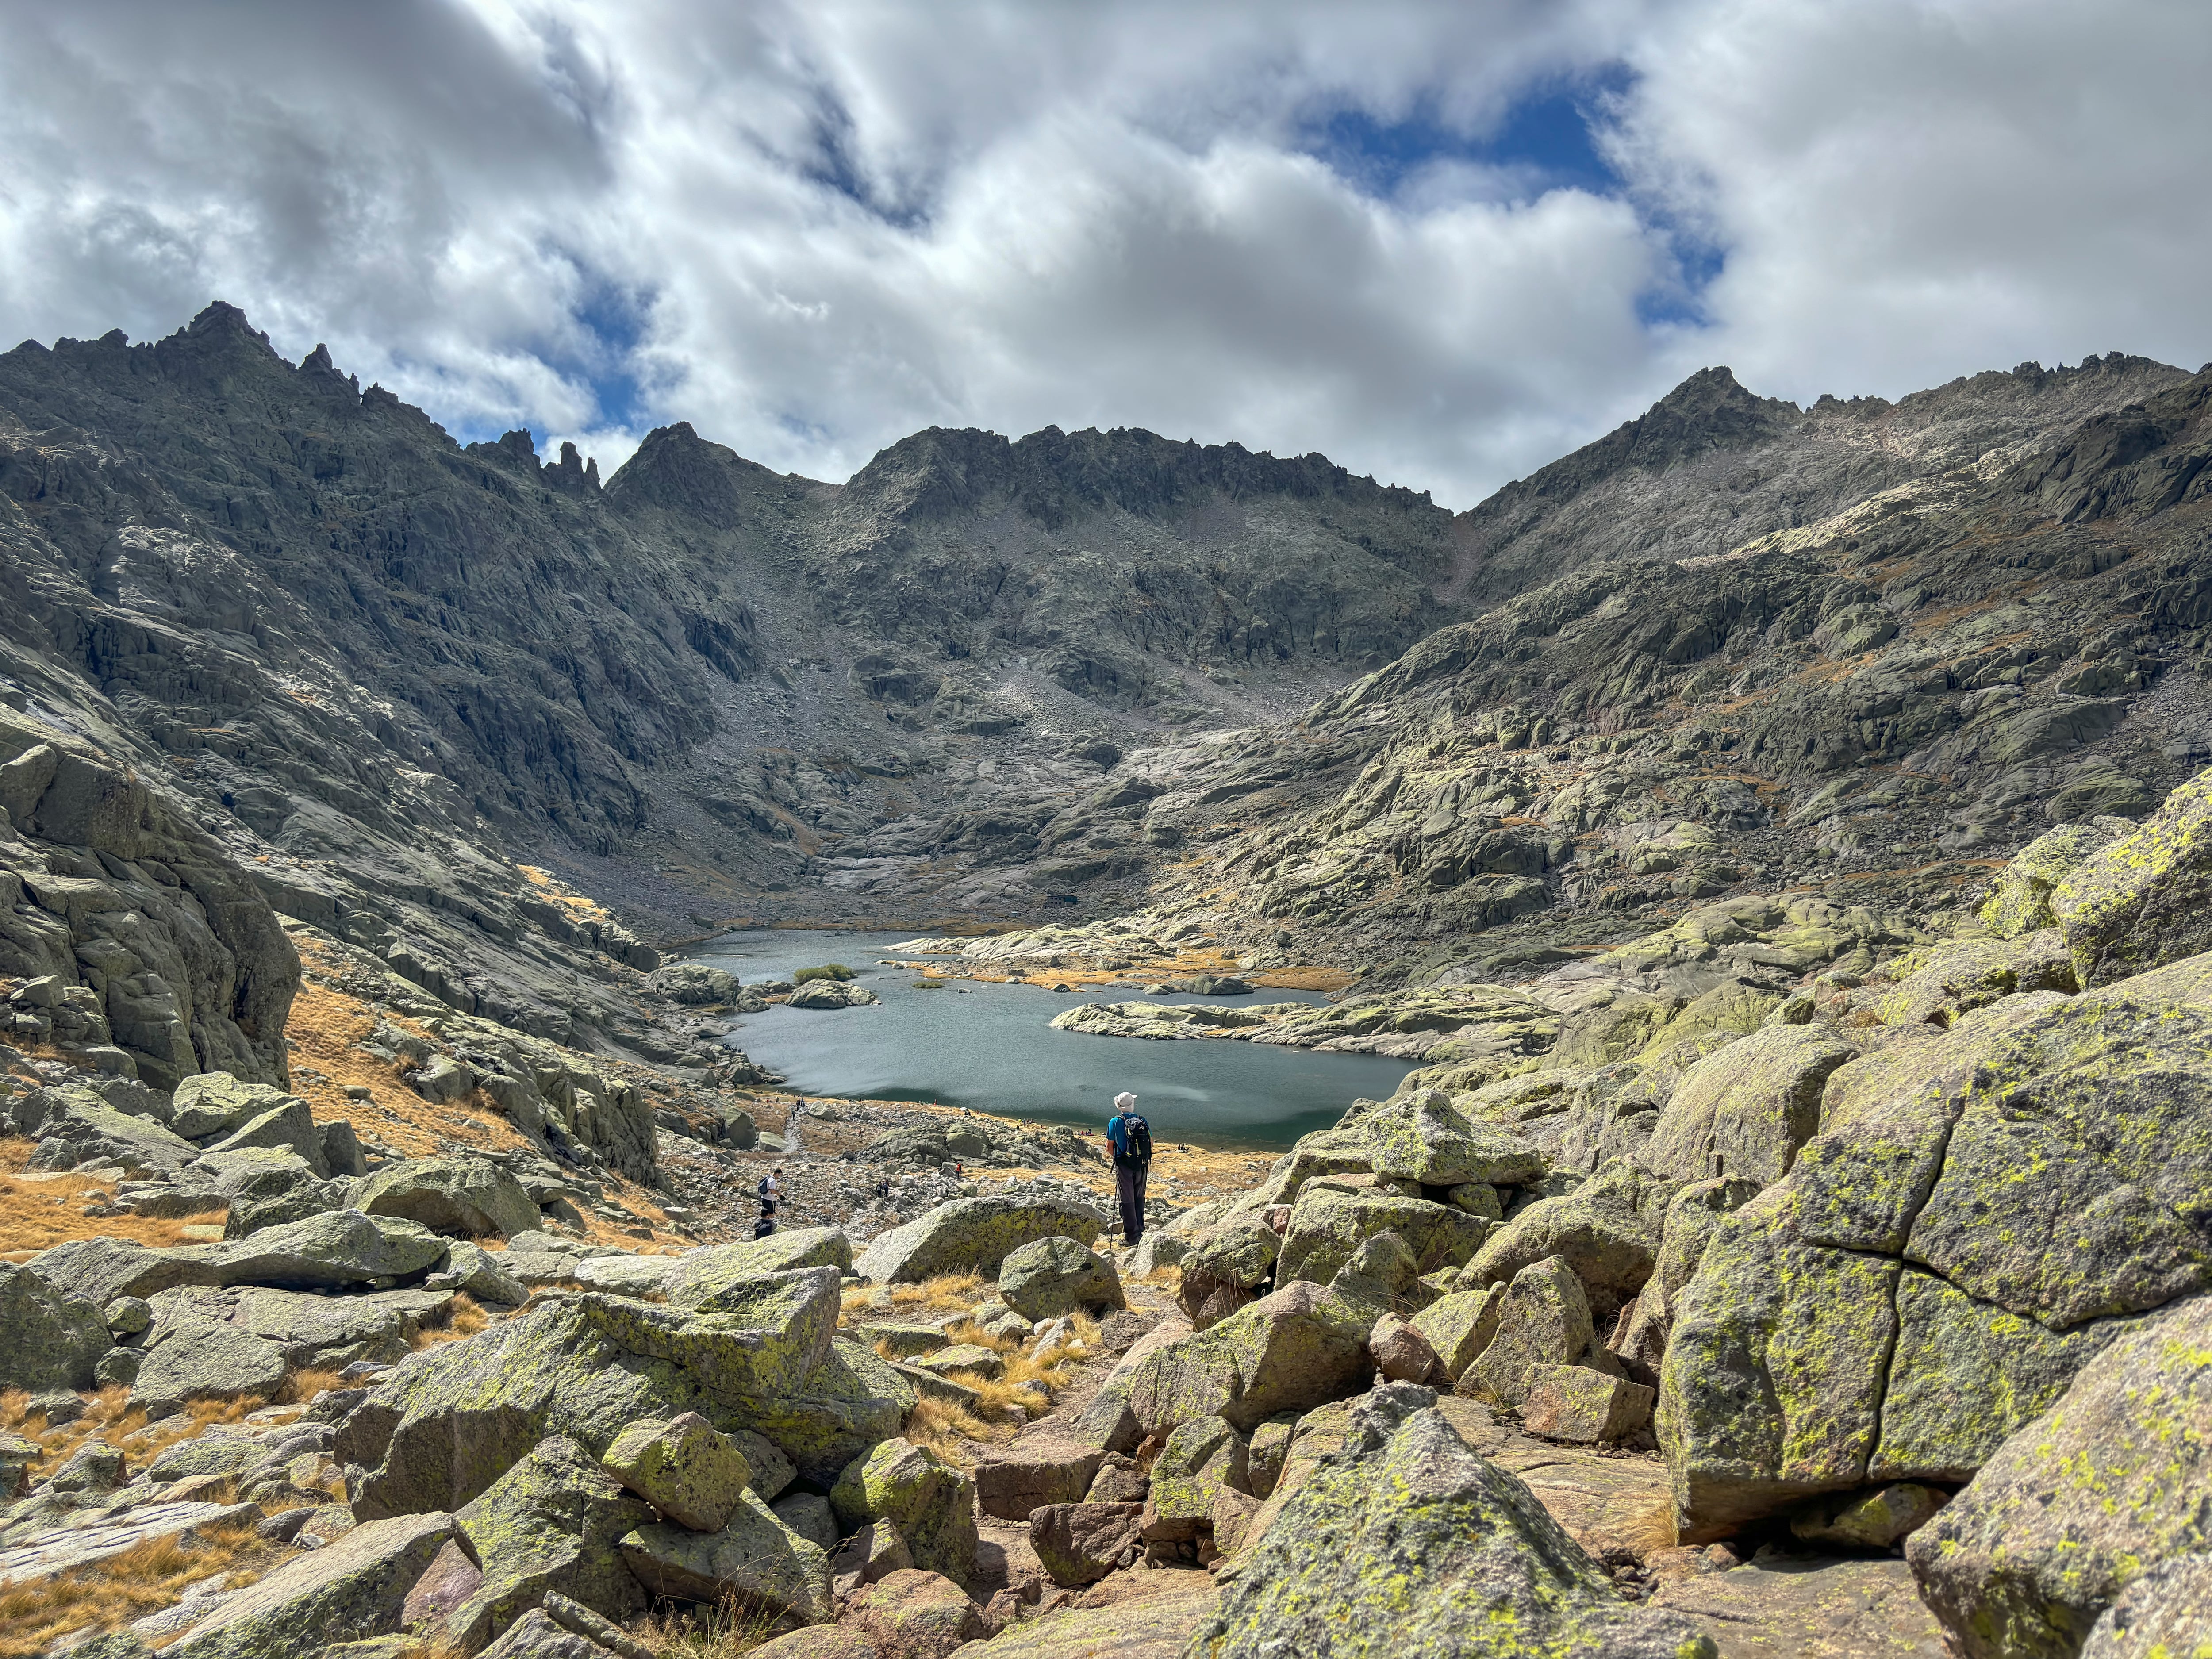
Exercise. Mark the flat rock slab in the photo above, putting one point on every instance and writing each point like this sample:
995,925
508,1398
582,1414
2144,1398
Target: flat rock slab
1156,1628
1604,1502
1850,1609
74,1546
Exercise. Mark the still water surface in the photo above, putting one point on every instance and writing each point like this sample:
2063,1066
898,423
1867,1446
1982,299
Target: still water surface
992,1047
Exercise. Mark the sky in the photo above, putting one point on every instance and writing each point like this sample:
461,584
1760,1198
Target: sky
1442,244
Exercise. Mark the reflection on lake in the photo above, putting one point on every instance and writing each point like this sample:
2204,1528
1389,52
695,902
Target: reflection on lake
992,1047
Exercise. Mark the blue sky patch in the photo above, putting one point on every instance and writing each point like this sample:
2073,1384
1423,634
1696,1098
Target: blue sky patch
1546,138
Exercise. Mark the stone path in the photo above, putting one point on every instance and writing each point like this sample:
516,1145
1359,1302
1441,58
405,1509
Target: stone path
1809,1609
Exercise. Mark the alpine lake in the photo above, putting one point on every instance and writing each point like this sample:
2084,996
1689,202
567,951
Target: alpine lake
992,1048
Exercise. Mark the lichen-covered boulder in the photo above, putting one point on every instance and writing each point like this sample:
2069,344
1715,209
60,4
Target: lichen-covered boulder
830,993
2082,1501
1869,1521
685,1468
701,1277
459,1197
553,1523
1692,1214
1406,1542
971,1235
1459,1327
1081,1543
453,1417
755,1561
335,1248
2165,1614
1609,1230
1956,979
1328,1223
1287,1351
1746,1110
1423,1137
261,1188
1323,1153
49,1339
472,1268
192,1359
913,1612
75,1128
931,1502
2020,898
693,984
2145,899
1201,1460
1543,1319
1933,1273
346,1591
1055,1276
1575,1403
1224,1270
208,1105
287,1127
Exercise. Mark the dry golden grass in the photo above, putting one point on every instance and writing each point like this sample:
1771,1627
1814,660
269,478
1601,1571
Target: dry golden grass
464,1317
942,1294
952,1431
109,1593
1651,1529
1028,1380
110,1418
946,1293
36,1215
718,1632
302,1386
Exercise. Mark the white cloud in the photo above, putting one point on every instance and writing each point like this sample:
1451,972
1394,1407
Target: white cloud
1910,191
809,229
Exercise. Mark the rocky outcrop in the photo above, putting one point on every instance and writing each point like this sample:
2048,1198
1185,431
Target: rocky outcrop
1932,1273
2105,1486
1408,1531
144,945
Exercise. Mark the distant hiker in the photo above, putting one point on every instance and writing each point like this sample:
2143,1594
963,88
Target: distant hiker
1132,1162
771,1190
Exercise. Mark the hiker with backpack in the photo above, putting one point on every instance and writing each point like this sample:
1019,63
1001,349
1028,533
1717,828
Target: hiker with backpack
770,1192
1132,1138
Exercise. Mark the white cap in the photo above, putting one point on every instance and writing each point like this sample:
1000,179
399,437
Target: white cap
1123,1103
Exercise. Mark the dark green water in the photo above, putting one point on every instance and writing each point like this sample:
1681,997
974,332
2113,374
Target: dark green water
992,1048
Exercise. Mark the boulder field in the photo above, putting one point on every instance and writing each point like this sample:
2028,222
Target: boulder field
1870,1313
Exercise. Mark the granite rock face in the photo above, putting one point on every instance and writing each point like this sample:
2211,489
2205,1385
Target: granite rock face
1934,1273
2083,1502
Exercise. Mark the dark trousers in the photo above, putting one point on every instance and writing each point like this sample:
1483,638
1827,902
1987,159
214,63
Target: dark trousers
1129,1185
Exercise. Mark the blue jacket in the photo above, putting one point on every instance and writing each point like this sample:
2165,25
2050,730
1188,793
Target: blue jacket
1117,1130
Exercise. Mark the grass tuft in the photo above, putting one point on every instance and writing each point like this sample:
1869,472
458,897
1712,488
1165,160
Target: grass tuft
952,1431
464,1316
943,1294
302,1386
723,1631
